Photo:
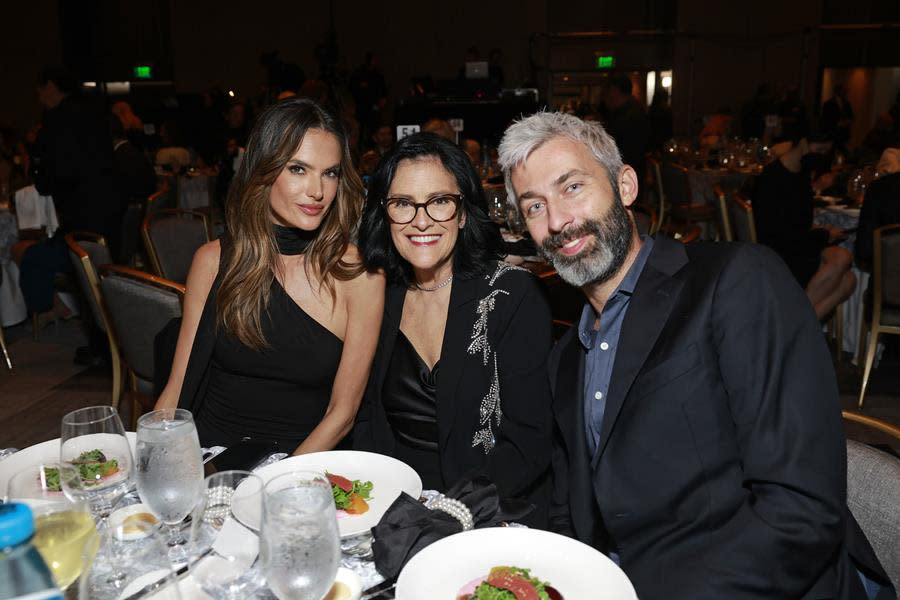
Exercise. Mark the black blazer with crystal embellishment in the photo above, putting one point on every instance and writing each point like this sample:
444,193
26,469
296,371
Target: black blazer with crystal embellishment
500,317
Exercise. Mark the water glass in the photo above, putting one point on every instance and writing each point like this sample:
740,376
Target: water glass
65,533
169,471
299,541
143,562
94,438
228,573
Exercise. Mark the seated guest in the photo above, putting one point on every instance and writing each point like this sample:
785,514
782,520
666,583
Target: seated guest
280,319
459,384
441,128
699,437
881,206
783,211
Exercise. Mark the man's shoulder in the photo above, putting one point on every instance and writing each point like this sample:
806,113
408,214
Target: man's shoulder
710,260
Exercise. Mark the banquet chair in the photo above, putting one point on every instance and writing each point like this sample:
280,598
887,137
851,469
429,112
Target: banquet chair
645,219
139,306
88,251
171,237
655,175
677,186
724,221
885,316
873,497
740,219
162,199
3,338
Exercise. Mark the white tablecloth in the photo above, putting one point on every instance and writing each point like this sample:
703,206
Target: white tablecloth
12,304
34,211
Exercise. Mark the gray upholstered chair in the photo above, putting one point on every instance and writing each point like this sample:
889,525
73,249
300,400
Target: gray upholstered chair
873,496
885,297
88,251
740,219
139,306
644,219
680,198
171,238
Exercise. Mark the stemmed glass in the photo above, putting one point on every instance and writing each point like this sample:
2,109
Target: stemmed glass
65,534
299,541
169,471
228,574
93,438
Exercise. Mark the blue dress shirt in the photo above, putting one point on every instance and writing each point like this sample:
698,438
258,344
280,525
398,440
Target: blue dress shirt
601,344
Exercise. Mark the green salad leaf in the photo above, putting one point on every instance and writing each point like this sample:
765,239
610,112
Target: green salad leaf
342,499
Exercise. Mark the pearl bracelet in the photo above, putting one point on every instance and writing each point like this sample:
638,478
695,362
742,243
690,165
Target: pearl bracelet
454,508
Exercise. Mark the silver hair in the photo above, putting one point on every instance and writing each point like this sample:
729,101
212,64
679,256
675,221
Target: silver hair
526,135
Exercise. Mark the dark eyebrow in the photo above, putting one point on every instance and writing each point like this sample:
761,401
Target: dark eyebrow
309,167
558,181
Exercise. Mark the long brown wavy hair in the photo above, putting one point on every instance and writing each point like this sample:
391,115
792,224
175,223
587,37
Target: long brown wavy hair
250,259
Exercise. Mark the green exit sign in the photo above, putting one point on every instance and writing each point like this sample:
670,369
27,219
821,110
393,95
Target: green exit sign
143,72
606,62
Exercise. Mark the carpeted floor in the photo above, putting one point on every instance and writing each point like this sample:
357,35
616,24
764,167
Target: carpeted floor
45,384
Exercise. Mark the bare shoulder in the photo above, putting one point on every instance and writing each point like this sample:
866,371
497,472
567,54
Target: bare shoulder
364,285
205,265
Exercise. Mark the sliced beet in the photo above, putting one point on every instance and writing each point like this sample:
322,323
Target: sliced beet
553,593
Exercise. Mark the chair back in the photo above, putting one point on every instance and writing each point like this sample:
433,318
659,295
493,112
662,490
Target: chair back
724,221
172,237
88,251
740,219
873,497
655,174
159,200
645,219
139,306
886,265
676,184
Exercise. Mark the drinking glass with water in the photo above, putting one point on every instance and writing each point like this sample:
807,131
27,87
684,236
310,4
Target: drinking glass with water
169,468
299,540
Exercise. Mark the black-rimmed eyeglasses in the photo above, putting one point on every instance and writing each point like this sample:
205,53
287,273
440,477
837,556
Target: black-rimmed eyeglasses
401,211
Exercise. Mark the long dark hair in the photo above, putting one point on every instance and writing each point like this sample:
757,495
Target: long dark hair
479,240
251,260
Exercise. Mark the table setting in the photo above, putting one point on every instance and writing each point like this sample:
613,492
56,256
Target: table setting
126,515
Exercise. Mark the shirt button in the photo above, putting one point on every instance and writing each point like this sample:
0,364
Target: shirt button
598,395
604,346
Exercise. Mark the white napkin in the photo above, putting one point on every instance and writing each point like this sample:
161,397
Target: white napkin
34,211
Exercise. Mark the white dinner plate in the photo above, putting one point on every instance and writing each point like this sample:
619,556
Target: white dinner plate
576,570
45,452
388,475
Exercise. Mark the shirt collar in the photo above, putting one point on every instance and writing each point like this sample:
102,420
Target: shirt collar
586,331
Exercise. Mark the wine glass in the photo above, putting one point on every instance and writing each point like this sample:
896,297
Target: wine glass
144,564
299,542
227,574
169,471
94,439
65,534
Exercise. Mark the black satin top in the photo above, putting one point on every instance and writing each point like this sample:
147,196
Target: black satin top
410,392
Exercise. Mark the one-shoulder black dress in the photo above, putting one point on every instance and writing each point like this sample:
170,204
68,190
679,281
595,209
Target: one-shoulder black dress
279,393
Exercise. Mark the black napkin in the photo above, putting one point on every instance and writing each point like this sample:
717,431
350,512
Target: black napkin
408,526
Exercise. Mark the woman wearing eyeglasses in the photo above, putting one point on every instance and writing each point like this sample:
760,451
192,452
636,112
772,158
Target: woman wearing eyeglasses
459,384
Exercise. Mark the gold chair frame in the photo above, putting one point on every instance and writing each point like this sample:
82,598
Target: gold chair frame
744,205
657,181
722,202
882,426
137,399
875,328
90,274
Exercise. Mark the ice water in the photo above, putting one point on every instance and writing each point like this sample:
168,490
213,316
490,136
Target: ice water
169,468
300,545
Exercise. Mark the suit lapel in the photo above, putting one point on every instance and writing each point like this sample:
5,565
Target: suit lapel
460,317
648,310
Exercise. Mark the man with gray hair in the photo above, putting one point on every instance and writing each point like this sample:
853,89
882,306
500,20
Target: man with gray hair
699,434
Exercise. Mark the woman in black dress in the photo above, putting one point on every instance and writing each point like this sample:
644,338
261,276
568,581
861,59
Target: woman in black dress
280,319
459,384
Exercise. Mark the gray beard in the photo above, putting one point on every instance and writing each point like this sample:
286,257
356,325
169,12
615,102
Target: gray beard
609,247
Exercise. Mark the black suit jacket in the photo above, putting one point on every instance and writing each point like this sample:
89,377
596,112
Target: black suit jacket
519,333
721,467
